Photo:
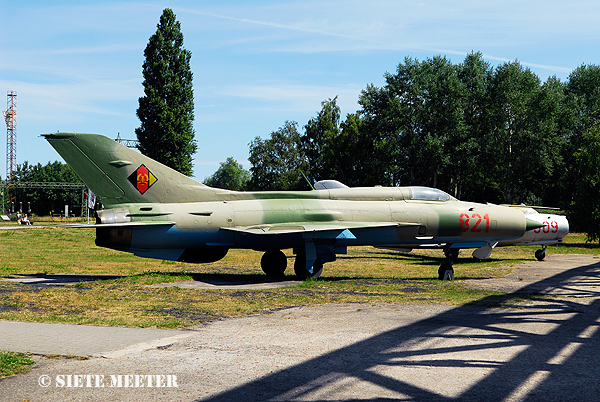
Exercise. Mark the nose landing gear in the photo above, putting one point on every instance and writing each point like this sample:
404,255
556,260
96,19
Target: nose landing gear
541,254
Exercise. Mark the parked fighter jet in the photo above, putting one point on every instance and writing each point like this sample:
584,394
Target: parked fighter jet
554,229
156,212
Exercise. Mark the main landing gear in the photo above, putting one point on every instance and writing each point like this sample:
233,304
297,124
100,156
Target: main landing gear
446,270
274,263
302,271
541,254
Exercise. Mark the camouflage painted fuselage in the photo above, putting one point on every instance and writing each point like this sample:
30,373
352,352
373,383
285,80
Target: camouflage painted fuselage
154,211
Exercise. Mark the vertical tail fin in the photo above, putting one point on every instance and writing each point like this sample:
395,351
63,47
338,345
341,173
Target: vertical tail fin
119,175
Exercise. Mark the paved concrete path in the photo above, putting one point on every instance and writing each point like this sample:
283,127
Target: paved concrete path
543,347
78,340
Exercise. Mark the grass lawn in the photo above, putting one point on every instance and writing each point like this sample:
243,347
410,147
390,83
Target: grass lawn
12,363
366,274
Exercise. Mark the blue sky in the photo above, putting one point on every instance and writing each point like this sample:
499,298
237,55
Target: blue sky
76,66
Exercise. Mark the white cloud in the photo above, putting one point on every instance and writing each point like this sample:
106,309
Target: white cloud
296,97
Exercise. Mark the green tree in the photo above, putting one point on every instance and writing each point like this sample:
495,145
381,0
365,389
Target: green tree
441,146
581,111
230,176
340,150
584,210
513,135
483,134
357,161
44,201
278,162
379,130
166,111
550,116
474,74
416,122
318,141
583,88
390,119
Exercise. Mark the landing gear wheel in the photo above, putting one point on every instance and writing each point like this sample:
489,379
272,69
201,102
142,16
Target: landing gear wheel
273,263
301,271
446,272
540,254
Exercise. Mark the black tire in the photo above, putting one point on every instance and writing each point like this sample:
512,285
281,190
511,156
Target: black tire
273,263
540,255
300,268
445,272
448,275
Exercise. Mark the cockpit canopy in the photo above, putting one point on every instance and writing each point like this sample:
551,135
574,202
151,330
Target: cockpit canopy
339,191
329,184
429,194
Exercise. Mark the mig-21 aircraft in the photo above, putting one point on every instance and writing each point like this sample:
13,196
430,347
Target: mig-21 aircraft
555,228
154,211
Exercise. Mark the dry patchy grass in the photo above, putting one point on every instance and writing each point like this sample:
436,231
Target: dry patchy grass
366,274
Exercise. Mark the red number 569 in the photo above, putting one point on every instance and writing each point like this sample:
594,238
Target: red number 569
548,227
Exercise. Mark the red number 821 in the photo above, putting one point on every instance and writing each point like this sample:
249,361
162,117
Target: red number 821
465,225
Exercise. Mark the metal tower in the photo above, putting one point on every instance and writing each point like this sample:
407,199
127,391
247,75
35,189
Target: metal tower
127,143
10,116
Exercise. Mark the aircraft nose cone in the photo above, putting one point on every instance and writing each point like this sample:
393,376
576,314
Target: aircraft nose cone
531,224
563,227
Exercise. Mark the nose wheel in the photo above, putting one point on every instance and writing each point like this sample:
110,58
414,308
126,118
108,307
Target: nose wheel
541,254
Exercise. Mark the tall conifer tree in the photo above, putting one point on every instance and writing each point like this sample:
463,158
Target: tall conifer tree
166,111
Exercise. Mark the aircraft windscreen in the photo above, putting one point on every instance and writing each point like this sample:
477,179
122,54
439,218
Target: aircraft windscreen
429,194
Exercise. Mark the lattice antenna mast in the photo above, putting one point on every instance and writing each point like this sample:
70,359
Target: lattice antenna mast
10,116
127,143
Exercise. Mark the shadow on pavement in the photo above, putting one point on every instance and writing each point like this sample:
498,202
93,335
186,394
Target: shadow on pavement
59,279
469,353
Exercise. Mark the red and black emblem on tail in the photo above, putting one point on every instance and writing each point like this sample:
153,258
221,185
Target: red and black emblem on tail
142,179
